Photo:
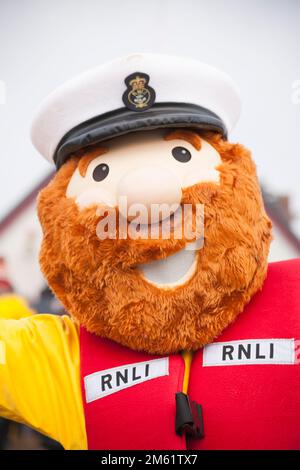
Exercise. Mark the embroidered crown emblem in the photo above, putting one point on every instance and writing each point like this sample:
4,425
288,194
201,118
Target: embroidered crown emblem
138,95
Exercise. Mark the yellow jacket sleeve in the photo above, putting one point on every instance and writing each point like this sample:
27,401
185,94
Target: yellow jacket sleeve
39,377
13,306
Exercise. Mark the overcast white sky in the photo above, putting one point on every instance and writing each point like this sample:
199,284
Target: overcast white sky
45,42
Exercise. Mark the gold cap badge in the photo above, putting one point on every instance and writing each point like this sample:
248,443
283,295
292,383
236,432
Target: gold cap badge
138,96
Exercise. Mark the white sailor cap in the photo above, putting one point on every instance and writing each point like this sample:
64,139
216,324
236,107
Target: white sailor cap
133,93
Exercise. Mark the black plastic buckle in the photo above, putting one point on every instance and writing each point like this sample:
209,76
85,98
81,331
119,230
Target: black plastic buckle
189,417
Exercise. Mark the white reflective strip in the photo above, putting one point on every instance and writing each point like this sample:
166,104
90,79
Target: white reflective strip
105,382
250,351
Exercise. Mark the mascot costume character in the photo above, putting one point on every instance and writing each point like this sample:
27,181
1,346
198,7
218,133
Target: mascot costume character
172,341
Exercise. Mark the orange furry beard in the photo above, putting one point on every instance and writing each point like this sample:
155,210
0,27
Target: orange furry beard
100,287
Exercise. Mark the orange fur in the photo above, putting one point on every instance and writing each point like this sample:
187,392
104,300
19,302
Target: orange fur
192,137
86,159
100,287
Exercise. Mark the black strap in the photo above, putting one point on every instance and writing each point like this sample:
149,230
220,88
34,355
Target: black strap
189,417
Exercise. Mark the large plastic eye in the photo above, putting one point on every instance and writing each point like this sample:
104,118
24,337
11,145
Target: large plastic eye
100,172
181,154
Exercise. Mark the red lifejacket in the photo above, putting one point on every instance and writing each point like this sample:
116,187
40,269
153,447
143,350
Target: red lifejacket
248,381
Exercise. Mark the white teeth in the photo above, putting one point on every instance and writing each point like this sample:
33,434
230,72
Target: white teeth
174,270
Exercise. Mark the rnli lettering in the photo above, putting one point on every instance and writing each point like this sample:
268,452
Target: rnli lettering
247,352
106,382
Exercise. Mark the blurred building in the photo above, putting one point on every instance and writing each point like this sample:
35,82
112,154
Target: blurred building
5,284
20,238
286,244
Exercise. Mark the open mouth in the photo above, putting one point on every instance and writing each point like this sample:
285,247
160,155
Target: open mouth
173,271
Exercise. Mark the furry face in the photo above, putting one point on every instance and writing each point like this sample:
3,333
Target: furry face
105,284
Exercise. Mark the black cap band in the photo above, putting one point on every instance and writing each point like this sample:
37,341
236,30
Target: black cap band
123,121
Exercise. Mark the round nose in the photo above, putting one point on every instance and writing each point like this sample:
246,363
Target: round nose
145,187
